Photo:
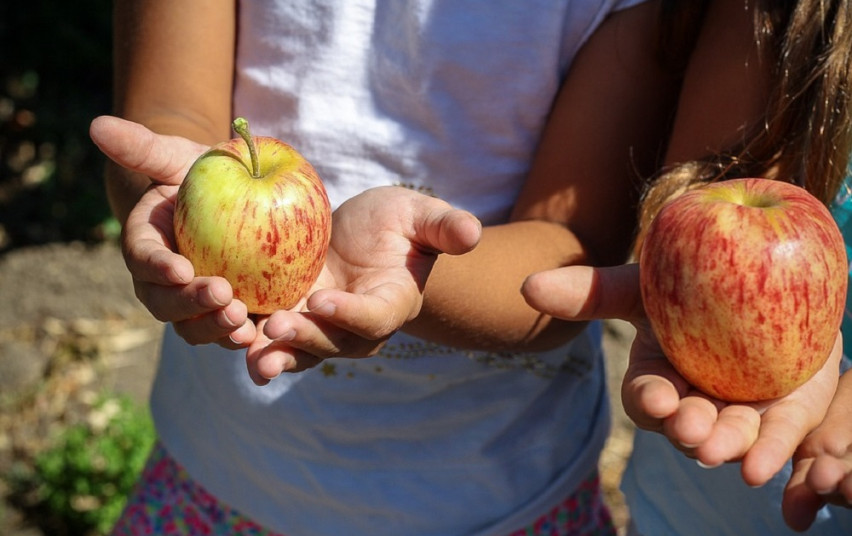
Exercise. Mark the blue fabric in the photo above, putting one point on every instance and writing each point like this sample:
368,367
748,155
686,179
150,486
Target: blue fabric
841,210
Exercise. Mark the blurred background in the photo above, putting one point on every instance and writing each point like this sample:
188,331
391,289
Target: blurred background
56,72
77,350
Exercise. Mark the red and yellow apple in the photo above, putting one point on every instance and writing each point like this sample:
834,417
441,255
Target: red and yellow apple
744,284
254,211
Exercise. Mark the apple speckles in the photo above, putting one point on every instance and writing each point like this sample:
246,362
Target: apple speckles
746,301
267,235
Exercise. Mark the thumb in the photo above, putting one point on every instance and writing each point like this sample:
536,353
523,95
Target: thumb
586,292
447,230
164,159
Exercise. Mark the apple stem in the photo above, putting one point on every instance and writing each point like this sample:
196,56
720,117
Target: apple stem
241,126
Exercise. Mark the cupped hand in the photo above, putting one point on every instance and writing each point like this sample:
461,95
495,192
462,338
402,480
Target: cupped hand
763,436
384,243
822,465
202,309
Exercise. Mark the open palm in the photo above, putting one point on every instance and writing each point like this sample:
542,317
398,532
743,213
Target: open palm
383,246
384,243
763,436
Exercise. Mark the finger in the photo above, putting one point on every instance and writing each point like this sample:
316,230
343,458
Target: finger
266,360
183,302
314,335
786,423
148,243
648,399
693,422
586,293
832,437
164,159
800,504
651,389
826,474
373,315
237,339
734,432
150,262
272,361
241,337
440,227
228,327
780,433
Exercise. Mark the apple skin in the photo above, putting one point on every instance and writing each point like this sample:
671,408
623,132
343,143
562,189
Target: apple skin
744,284
267,236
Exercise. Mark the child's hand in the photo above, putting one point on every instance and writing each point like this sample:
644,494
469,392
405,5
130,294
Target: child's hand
202,309
657,398
384,243
822,465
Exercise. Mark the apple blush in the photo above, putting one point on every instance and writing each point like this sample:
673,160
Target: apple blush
744,284
254,211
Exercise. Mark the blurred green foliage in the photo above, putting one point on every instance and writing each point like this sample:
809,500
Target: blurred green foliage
55,76
81,483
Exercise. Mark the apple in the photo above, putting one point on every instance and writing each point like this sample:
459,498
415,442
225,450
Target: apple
744,284
254,211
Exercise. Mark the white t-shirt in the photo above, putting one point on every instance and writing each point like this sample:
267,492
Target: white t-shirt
447,97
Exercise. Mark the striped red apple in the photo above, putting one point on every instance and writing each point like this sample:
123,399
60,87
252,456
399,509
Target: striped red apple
254,211
744,284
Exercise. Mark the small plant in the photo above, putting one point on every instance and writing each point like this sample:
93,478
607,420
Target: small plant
83,480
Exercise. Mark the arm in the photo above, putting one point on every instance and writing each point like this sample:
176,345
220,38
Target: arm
384,244
725,85
606,129
722,95
578,203
577,206
173,64
176,80
174,77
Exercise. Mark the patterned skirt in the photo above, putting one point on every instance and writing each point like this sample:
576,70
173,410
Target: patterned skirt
168,502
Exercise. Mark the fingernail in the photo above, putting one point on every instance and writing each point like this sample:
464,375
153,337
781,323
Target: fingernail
687,445
706,466
325,309
229,322
288,336
217,300
234,339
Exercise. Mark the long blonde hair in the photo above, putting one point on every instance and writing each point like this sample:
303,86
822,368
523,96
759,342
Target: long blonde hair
806,134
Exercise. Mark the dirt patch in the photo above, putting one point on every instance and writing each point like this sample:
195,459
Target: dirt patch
71,327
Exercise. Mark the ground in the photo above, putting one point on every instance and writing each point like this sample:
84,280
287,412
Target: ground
72,327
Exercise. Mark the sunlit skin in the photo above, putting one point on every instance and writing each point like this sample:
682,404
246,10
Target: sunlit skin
744,284
266,234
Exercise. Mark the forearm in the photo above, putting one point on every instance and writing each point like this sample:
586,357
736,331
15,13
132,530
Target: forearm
606,128
474,300
173,76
